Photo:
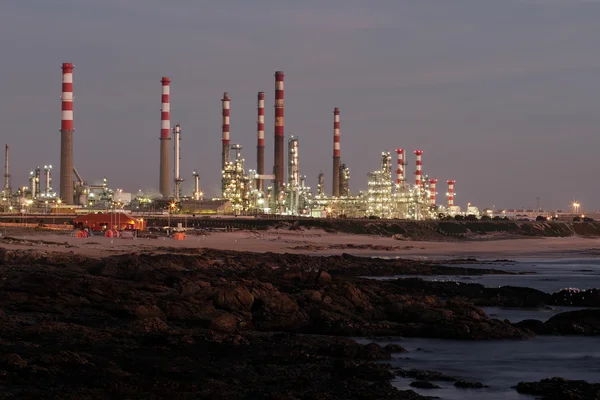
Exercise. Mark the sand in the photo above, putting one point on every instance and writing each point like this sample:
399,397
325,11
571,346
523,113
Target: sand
284,242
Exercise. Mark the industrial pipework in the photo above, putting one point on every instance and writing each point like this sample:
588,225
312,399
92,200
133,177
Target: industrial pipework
177,143
278,163
335,190
432,192
48,179
66,135
32,184
321,184
260,146
38,182
165,137
293,167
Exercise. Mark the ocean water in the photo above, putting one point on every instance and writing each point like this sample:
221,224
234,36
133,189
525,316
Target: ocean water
519,314
548,275
497,364
503,364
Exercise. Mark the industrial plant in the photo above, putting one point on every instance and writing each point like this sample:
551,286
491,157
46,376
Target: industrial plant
389,193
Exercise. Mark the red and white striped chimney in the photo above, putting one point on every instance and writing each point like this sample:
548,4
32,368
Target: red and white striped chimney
450,193
279,134
165,138
66,135
335,190
400,168
225,129
418,172
260,135
432,192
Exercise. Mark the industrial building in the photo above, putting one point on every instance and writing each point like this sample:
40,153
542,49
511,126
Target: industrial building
283,191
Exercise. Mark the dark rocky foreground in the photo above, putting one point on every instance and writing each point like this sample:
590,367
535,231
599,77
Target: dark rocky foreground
215,324
559,389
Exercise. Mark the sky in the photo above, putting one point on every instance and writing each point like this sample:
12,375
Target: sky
502,96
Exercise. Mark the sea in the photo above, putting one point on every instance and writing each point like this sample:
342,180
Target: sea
502,364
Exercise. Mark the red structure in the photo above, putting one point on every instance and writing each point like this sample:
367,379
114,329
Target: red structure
225,130
450,193
432,192
279,134
418,172
165,138
335,190
260,136
400,169
66,135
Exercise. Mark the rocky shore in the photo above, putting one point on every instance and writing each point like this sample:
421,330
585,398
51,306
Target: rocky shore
202,323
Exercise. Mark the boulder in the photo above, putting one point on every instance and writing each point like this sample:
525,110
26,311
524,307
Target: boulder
424,385
226,323
238,299
323,277
143,312
559,388
575,322
150,324
395,348
313,296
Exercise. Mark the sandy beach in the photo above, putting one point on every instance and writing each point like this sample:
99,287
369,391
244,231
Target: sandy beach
315,242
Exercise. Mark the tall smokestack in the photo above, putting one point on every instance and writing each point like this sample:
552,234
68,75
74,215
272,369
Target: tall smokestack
165,138
176,155
66,135
400,168
418,172
450,193
432,192
224,137
335,190
279,134
260,146
196,185
6,174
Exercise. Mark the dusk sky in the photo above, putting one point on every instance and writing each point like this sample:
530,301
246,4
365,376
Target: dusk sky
502,95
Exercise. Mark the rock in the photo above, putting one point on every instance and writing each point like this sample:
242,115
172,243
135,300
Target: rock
373,351
533,325
575,322
150,324
189,289
277,311
469,385
323,277
313,296
395,348
369,371
224,323
143,312
560,388
355,296
424,385
576,297
425,375
12,361
238,299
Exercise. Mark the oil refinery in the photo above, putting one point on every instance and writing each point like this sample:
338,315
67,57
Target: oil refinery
244,190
